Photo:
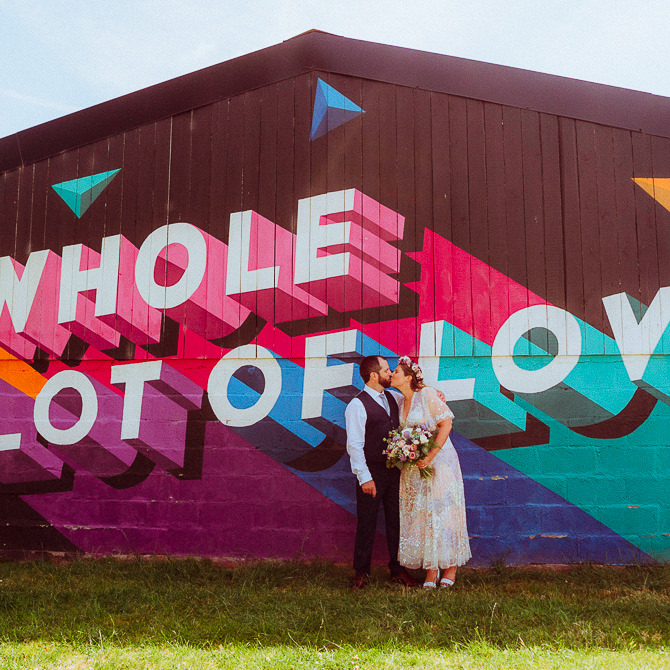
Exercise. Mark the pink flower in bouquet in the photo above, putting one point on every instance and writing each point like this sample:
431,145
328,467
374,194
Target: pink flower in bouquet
408,446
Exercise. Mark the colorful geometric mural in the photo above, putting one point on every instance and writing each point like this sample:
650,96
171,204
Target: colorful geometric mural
185,303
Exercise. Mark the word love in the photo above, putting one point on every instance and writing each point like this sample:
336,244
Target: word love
341,257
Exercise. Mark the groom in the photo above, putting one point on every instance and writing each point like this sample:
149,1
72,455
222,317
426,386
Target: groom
369,418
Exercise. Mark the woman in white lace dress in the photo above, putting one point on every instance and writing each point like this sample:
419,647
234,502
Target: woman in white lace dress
433,528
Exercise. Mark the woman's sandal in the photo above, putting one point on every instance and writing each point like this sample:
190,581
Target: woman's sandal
431,583
445,582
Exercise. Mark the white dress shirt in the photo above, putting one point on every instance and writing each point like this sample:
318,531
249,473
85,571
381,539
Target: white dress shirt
355,417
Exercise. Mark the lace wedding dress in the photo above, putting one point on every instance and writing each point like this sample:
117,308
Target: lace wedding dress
433,528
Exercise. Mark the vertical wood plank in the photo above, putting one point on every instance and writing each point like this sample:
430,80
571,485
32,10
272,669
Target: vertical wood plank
588,199
386,119
267,170
161,173
514,202
610,272
251,169
495,195
478,213
554,239
219,205
180,198
460,232
145,203
55,229
198,207
533,202
574,298
235,178
624,197
405,157
304,91
441,181
660,147
286,201
645,208
328,169
423,180
362,170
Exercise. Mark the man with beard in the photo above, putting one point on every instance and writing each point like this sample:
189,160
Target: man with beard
369,418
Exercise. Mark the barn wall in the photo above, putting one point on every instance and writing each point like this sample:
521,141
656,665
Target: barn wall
172,405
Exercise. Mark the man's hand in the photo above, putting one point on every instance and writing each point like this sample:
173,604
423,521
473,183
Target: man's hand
369,488
440,395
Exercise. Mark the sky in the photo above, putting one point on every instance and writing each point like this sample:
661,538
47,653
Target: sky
60,56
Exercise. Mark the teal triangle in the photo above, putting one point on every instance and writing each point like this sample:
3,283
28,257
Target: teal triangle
80,194
331,109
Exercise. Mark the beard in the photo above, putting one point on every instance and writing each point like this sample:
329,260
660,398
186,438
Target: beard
385,383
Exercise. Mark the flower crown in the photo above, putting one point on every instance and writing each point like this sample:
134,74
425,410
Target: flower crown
406,360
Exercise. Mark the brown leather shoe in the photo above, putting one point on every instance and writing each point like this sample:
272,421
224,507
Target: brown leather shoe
360,581
404,579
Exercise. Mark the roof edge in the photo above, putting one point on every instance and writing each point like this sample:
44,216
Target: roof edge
317,50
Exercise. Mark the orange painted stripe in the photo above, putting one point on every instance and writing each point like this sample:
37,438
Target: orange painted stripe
20,375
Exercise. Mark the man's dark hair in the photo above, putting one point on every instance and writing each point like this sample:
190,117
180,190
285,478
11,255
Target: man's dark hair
369,365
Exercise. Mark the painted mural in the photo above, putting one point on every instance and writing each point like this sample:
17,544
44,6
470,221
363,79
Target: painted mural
184,306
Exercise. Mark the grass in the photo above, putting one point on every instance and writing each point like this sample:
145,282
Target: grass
196,614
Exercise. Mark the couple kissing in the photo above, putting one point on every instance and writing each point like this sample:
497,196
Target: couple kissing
423,500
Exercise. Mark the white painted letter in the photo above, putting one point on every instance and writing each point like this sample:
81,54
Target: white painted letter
239,278
103,279
19,294
637,341
319,376
133,376
561,323
219,378
165,297
89,407
312,236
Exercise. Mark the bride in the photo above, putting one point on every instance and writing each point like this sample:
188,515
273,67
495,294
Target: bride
433,529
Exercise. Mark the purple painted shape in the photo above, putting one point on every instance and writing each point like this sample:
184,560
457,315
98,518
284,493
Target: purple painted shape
101,452
179,388
162,426
165,406
245,504
22,457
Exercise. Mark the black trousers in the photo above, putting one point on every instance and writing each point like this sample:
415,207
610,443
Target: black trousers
387,482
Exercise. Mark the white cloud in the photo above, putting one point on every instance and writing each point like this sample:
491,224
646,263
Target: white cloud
39,102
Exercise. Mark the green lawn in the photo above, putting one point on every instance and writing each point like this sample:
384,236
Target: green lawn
195,614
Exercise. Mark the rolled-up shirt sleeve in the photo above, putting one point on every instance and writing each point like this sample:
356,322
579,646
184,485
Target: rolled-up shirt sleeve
355,418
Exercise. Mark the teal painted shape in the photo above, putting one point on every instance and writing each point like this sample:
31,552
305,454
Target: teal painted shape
596,389
331,109
80,194
622,482
488,412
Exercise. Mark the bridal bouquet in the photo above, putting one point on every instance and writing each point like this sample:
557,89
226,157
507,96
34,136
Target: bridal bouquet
408,446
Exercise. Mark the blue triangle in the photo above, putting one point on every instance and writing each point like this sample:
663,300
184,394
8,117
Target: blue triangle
331,109
80,194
